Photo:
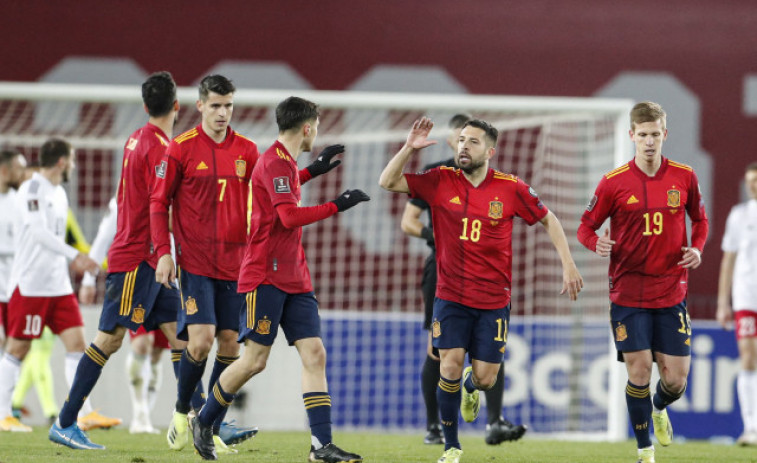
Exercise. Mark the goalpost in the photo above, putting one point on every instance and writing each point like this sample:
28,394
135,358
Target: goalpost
366,272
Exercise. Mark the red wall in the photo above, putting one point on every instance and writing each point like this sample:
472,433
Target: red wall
537,47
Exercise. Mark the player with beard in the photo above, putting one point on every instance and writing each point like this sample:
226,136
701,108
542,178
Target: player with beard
472,207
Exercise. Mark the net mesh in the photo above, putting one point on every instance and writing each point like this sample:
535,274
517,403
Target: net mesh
361,261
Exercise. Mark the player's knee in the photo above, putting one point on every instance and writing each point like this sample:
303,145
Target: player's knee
676,386
199,347
485,383
314,358
17,348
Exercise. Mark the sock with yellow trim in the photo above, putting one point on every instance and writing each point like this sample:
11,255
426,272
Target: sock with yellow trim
198,396
640,412
87,373
318,407
220,364
217,404
449,395
663,397
190,375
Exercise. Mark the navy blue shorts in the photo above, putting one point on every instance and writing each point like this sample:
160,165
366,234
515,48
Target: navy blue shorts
267,307
207,301
483,333
135,298
666,330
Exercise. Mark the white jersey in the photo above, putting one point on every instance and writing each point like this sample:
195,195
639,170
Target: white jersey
741,237
40,265
8,214
106,232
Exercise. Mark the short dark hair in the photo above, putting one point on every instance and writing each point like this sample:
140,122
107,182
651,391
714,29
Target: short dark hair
458,120
215,83
52,150
490,133
294,112
647,111
751,166
159,93
7,156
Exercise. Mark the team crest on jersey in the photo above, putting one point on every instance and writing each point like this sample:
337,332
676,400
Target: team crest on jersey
241,166
138,314
281,185
160,170
620,333
191,306
674,198
436,329
496,209
264,327
33,205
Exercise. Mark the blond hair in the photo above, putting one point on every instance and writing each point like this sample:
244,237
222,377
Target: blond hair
647,111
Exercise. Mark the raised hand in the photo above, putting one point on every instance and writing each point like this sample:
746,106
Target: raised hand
418,136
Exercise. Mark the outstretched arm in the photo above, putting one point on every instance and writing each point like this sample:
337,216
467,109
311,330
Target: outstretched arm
391,178
572,281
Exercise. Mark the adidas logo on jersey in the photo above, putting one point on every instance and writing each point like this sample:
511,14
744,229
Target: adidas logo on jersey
202,166
456,200
632,200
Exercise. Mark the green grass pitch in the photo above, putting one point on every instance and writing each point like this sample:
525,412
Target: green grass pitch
280,447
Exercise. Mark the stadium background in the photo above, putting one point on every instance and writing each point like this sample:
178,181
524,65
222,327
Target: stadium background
696,58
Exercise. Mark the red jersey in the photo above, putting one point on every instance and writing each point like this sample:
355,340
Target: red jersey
274,252
142,154
473,231
207,184
648,224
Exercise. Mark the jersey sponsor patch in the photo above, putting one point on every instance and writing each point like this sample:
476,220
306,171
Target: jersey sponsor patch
131,144
160,170
532,192
592,203
33,205
281,185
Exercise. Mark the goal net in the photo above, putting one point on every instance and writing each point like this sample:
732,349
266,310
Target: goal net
366,272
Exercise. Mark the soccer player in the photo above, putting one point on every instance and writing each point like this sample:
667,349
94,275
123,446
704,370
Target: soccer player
142,343
132,297
472,208
204,177
737,292
276,284
42,292
498,429
12,166
647,201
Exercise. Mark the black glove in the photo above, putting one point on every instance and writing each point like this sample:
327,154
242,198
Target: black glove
428,235
350,198
322,163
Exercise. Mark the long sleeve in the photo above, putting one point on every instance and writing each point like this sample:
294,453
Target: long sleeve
293,216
